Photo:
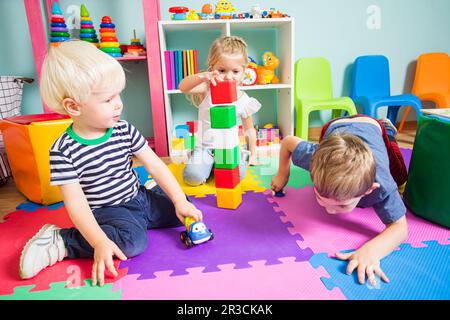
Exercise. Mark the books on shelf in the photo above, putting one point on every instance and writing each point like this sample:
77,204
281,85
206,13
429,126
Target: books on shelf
179,64
442,112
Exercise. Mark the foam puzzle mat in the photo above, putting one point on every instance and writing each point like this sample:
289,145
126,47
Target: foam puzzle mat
268,248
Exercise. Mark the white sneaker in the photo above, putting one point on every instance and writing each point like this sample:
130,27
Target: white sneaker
44,249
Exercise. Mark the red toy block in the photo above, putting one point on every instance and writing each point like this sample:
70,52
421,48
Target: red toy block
224,92
193,126
226,178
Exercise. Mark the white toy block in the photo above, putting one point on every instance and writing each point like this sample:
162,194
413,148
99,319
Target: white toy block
225,138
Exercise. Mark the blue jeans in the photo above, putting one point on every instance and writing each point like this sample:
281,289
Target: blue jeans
126,224
200,164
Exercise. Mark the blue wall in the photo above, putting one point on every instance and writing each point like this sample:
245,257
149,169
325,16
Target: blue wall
334,29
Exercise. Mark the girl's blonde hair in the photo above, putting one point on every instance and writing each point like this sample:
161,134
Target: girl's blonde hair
226,45
74,69
343,167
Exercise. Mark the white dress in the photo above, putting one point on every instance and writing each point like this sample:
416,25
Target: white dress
245,107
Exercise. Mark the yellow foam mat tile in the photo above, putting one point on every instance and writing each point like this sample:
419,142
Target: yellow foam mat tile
250,183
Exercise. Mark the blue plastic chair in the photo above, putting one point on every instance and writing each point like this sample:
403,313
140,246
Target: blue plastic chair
371,88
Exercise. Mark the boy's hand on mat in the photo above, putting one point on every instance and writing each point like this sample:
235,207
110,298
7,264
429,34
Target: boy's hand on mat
278,182
363,260
103,258
210,77
186,209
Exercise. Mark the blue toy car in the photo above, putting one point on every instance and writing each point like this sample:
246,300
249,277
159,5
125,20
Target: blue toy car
196,233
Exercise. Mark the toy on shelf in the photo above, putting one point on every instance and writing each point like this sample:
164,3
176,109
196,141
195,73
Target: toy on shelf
255,12
193,15
108,38
184,139
178,13
207,12
250,76
266,71
226,144
268,136
196,233
224,10
87,31
276,13
58,28
135,48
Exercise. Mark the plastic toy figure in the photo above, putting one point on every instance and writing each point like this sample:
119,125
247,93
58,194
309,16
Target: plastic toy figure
266,72
276,13
224,10
178,13
255,12
193,15
196,233
207,12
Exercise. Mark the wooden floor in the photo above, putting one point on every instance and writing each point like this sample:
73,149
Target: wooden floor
10,197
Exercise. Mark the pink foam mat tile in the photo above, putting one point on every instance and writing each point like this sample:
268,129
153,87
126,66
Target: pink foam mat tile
289,280
323,232
17,229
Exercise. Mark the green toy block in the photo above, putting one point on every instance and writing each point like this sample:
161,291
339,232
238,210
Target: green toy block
223,117
189,142
226,158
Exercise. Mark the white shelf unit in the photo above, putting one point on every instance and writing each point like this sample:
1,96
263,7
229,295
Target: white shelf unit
279,30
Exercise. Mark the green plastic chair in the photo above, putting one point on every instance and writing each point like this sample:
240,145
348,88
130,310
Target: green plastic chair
313,91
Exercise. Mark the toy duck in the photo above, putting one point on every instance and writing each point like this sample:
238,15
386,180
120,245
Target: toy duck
193,15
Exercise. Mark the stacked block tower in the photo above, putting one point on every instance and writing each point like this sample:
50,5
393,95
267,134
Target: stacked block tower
87,31
108,39
58,28
226,144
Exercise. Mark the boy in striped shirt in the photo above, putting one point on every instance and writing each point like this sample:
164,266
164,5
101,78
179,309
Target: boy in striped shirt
91,162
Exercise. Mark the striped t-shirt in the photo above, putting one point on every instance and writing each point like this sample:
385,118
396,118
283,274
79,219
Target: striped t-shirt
103,166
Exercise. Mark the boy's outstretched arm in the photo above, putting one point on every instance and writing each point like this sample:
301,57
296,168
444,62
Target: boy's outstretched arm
166,180
367,258
288,146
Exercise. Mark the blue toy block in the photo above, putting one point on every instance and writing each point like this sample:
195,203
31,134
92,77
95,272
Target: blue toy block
182,131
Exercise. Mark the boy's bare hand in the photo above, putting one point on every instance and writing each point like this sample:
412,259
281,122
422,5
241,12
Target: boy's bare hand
363,260
103,258
278,182
212,77
186,209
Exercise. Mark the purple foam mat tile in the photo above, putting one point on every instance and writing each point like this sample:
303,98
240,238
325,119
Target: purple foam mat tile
253,231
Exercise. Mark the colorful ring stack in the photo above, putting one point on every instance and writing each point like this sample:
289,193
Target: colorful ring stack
58,28
87,31
108,39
